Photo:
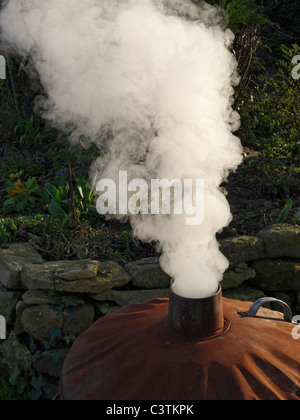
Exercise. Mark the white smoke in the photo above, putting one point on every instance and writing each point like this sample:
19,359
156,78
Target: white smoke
151,82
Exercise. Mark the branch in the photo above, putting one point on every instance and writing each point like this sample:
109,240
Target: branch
75,215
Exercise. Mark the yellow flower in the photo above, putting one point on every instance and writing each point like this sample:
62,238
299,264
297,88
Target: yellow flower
24,190
17,186
12,176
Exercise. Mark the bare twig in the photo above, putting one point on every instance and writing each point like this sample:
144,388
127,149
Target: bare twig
12,86
75,215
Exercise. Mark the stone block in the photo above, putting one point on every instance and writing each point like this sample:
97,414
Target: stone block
242,249
281,240
48,276
237,275
244,294
14,353
51,362
12,261
124,298
147,274
39,320
8,302
277,275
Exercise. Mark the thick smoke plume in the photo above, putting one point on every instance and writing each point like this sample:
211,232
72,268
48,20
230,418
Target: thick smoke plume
151,82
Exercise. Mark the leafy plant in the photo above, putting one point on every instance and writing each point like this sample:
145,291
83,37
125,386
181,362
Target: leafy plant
21,194
17,380
84,196
285,212
28,379
57,199
7,232
15,229
272,110
37,383
54,334
33,130
242,13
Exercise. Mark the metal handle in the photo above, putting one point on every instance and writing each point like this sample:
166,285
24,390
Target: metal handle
288,316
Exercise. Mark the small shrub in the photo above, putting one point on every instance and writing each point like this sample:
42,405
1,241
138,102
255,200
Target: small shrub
58,201
34,131
270,114
22,194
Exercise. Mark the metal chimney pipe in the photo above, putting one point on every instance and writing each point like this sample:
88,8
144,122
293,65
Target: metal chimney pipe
200,318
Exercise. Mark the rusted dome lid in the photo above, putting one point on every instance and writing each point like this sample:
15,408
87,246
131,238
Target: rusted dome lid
133,355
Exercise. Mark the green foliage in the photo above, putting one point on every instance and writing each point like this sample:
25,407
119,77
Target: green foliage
242,13
69,338
58,201
84,196
18,383
27,383
33,131
20,380
7,230
285,212
37,383
13,229
271,113
55,333
21,195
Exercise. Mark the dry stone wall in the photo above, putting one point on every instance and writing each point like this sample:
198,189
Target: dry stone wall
46,305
